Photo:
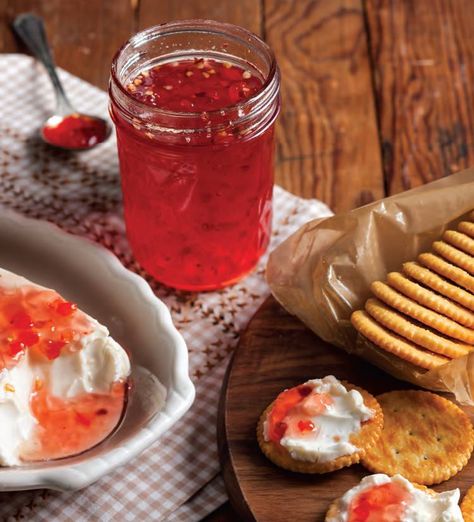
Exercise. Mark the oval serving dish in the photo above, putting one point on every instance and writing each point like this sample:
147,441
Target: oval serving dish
94,278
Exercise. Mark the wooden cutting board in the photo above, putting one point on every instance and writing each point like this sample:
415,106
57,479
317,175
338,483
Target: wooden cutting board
276,352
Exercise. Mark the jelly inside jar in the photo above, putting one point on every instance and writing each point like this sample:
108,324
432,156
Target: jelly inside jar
198,210
386,503
198,85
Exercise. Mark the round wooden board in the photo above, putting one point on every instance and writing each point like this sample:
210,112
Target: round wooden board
276,352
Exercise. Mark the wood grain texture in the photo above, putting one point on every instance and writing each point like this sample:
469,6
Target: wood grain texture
246,13
276,352
328,144
423,55
83,34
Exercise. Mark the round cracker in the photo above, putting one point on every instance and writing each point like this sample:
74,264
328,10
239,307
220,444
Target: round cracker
426,438
438,284
402,326
367,436
430,299
467,505
422,314
395,344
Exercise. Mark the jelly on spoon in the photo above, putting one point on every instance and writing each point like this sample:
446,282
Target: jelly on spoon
67,128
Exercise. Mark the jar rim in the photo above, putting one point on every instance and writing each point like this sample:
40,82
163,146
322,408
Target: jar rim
190,26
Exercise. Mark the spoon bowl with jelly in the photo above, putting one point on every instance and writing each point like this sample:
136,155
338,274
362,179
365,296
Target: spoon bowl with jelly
67,128
75,131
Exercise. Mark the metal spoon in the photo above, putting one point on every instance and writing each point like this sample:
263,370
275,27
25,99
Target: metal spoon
30,29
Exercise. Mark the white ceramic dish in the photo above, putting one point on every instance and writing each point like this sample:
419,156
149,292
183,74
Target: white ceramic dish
94,278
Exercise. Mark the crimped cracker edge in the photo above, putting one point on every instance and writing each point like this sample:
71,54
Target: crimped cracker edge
403,326
394,344
434,281
427,297
467,505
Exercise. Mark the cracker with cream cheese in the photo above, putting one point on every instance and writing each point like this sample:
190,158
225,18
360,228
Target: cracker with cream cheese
362,439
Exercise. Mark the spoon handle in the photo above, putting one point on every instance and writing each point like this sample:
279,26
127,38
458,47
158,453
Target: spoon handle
30,29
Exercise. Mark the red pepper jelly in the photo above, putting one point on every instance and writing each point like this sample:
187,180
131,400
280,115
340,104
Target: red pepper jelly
70,426
195,142
293,412
386,503
197,85
75,131
38,320
38,326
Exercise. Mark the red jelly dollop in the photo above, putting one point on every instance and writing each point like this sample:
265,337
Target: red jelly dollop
76,131
293,412
38,320
71,426
384,503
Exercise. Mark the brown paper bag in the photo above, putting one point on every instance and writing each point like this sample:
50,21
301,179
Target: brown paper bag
322,273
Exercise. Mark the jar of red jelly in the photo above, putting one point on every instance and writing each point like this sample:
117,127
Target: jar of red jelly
194,104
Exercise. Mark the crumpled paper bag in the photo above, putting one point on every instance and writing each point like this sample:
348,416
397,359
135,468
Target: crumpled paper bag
322,273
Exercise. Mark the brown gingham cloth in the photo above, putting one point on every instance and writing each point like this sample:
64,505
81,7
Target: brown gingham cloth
177,479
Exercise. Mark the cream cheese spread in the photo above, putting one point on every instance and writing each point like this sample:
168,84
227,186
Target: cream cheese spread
93,364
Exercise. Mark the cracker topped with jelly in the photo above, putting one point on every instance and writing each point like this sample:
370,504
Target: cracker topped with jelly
319,426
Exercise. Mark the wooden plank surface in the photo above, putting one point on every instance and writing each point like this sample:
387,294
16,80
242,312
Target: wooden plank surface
246,13
423,55
327,142
83,34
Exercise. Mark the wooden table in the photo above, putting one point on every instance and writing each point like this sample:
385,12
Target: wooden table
378,95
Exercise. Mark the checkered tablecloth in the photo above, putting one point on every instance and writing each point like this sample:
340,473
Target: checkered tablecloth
177,479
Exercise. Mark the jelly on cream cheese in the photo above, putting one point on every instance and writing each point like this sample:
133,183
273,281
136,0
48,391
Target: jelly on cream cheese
417,506
91,364
329,430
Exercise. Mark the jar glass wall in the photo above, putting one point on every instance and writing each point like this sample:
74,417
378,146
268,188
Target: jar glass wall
197,185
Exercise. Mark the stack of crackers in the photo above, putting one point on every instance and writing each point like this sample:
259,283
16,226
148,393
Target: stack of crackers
425,313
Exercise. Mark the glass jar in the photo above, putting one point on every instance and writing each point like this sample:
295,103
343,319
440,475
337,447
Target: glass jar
197,186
